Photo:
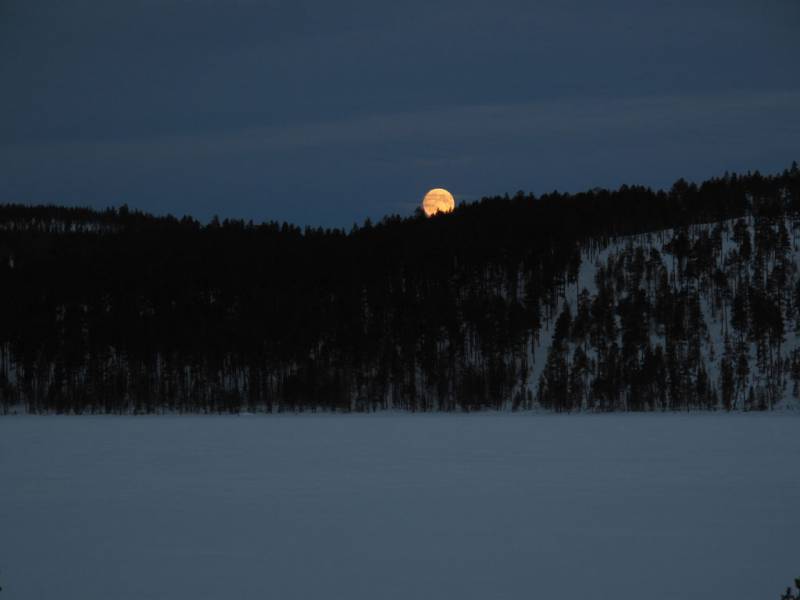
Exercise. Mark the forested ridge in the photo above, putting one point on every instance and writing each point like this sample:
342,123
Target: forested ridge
630,299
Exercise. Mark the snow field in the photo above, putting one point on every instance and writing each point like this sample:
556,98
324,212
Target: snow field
490,506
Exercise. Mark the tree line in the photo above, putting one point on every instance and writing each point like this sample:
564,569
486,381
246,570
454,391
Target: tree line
119,311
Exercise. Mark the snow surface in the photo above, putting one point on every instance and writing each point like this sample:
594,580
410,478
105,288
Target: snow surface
488,506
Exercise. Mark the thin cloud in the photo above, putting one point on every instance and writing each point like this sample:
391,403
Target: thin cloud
481,124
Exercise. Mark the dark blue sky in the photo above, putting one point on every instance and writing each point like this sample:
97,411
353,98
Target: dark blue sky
325,113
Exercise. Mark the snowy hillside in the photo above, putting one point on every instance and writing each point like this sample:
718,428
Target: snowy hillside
707,316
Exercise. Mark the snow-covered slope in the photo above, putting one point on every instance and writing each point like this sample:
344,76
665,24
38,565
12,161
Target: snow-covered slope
714,308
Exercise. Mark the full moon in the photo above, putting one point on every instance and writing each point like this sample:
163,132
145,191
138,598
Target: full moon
438,200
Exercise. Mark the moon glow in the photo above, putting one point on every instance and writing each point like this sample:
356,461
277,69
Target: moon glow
438,200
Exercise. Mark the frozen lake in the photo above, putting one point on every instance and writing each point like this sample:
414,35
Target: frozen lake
400,507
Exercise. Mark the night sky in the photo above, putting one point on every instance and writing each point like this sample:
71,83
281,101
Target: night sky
325,113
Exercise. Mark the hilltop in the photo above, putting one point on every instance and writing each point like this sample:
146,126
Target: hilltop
629,299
